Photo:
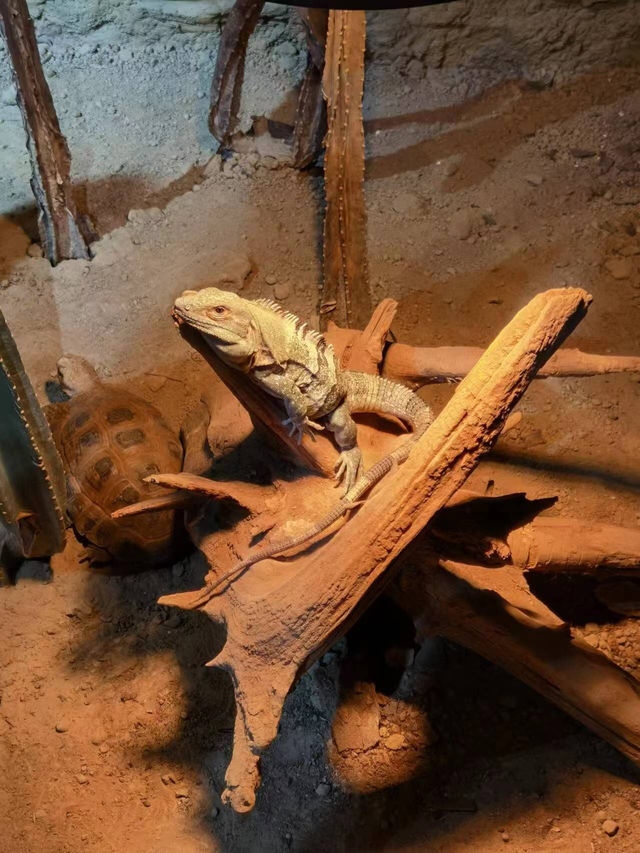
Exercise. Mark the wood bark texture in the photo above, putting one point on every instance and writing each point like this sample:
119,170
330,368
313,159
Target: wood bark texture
571,545
346,281
226,86
63,232
282,615
517,632
507,530
418,366
311,118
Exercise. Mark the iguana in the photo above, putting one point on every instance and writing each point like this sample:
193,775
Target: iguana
291,361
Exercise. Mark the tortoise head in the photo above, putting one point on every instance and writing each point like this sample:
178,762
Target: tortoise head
76,375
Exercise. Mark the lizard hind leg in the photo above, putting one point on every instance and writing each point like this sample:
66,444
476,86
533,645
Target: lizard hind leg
349,464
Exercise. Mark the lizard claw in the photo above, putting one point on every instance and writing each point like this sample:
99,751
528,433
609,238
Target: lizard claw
348,468
301,427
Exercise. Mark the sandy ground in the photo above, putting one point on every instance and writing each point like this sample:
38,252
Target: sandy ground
114,736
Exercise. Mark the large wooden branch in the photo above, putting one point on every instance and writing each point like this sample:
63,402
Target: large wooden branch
63,233
418,366
507,531
518,633
280,616
571,545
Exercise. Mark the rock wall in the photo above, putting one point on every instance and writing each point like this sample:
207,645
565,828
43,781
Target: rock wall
538,39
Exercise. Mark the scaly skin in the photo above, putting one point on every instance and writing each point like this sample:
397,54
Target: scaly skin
279,353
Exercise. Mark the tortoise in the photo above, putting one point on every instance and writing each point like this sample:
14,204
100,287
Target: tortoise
110,440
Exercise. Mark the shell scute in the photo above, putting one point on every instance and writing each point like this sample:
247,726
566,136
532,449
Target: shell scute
110,441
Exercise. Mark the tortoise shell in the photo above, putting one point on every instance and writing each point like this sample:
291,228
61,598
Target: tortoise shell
110,440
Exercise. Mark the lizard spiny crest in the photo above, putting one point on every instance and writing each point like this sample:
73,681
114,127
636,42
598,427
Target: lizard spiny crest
304,331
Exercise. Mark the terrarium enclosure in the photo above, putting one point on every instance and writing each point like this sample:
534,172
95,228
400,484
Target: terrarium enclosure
250,252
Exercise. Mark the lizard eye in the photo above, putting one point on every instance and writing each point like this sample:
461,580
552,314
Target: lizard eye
218,311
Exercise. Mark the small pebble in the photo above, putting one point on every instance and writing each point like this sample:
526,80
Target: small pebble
407,204
619,268
62,726
98,736
281,291
534,179
505,837
395,741
182,794
414,69
451,167
461,225
323,789
35,251
81,779
610,827
271,280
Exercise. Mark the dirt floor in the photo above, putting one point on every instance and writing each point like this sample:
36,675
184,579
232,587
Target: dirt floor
114,735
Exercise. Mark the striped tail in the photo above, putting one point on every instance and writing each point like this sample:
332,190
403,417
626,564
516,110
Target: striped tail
367,393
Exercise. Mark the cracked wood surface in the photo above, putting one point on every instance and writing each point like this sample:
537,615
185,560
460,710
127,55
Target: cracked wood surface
282,615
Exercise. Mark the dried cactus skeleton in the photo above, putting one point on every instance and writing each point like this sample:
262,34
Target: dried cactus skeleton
32,491
335,70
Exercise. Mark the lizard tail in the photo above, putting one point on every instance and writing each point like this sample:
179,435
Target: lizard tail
218,586
388,398
383,396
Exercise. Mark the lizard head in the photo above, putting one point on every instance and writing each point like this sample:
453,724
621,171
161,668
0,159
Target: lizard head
222,317
76,375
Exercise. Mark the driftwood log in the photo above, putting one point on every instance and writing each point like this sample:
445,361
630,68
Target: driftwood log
418,366
63,232
282,615
512,628
507,531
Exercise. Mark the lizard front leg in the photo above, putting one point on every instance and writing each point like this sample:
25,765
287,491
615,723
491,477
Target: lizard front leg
295,403
342,425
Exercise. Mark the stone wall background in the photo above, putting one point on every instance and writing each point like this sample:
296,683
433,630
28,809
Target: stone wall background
131,78
538,39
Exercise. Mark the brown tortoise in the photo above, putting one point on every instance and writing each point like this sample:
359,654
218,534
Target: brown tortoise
110,440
